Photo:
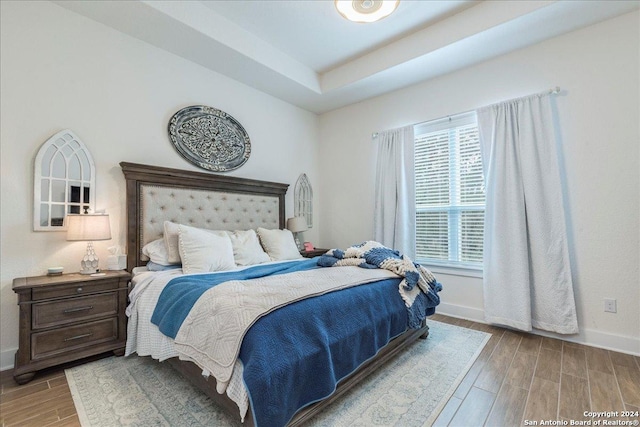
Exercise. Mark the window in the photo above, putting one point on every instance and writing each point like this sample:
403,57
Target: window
449,192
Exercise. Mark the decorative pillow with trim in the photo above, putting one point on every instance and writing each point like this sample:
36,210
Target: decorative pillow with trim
171,241
279,244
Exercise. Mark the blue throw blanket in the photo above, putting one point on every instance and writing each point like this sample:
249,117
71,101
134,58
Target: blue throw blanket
297,354
419,289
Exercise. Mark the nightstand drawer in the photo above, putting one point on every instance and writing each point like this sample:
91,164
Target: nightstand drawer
73,290
48,314
50,343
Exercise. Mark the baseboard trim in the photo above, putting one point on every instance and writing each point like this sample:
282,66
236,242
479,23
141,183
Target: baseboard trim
590,337
461,312
7,359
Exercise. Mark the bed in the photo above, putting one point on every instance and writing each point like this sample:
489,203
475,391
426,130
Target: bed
217,202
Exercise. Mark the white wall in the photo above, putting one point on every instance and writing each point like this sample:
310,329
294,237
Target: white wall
60,70
598,70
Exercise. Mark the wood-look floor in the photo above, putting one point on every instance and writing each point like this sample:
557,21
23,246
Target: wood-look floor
517,377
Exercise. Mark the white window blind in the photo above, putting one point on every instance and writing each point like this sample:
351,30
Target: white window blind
449,192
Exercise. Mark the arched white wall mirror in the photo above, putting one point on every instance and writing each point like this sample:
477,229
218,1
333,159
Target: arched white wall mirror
303,199
63,182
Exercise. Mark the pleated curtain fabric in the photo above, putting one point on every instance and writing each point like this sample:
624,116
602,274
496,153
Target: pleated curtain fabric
394,216
527,274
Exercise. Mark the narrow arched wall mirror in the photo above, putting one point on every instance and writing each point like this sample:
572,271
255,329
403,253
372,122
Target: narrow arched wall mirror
303,199
63,182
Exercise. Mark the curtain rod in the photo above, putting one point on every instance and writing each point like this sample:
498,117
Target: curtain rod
552,91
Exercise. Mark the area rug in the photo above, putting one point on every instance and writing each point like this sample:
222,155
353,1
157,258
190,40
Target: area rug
410,390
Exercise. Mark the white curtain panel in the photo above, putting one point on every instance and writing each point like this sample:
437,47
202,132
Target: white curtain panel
527,276
394,217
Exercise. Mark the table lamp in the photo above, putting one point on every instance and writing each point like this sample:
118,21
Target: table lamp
297,225
88,228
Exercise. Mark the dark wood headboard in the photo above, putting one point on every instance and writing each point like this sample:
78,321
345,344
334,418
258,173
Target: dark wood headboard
195,185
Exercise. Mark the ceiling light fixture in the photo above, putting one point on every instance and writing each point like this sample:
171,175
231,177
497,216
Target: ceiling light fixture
366,10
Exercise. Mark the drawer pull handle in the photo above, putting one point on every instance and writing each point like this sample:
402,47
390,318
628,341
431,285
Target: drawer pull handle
73,310
79,290
77,337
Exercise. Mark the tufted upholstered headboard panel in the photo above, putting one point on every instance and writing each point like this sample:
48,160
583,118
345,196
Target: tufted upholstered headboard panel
156,194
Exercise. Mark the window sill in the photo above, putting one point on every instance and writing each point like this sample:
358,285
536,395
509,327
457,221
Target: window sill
454,271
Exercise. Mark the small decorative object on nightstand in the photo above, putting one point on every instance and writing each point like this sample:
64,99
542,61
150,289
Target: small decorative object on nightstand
55,271
69,317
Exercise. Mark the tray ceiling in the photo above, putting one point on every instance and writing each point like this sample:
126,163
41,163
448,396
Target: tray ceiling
305,53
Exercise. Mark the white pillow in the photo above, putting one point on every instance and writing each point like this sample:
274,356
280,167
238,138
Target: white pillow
157,252
204,250
279,244
246,248
171,241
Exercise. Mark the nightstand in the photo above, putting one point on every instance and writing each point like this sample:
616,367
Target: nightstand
68,317
313,253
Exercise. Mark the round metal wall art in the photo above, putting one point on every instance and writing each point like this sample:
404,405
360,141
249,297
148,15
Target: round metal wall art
209,138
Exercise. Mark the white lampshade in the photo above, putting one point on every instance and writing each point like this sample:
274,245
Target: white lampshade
366,10
297,224
88,227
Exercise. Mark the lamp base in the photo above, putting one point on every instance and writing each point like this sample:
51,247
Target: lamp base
89,263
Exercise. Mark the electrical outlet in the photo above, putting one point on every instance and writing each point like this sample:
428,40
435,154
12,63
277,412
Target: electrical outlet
610,305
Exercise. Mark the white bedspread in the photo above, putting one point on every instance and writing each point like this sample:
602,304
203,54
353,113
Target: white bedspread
143,337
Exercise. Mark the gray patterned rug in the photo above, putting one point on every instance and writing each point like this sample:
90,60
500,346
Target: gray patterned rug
411,390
